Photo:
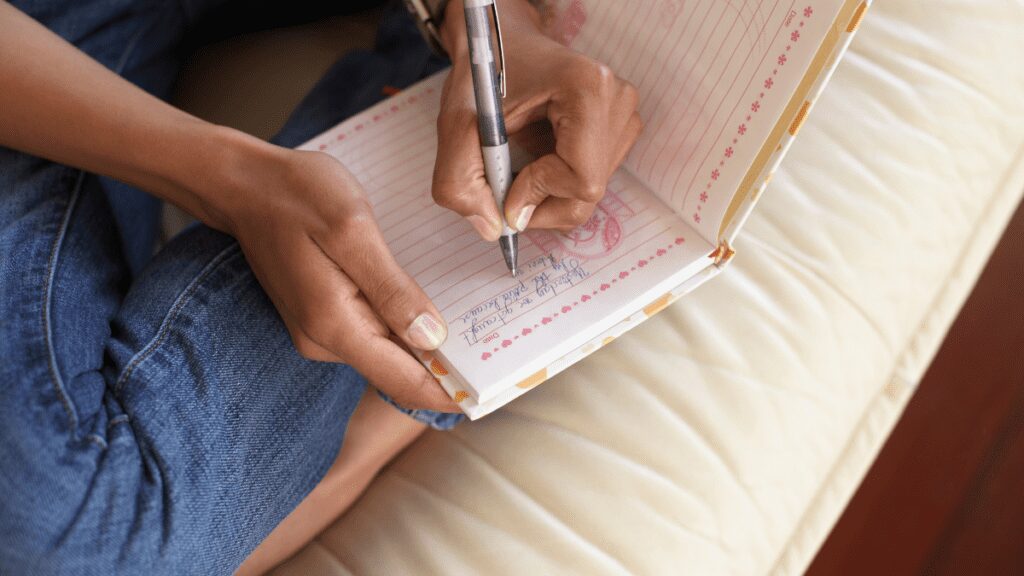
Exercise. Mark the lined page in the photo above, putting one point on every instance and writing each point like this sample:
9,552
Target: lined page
570,287
714,76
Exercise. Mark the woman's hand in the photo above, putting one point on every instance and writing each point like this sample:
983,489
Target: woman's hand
310,236
301,218
591,113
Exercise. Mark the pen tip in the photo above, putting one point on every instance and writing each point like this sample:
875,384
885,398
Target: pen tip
510,250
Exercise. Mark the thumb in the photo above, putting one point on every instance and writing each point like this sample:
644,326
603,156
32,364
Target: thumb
395,297
460,183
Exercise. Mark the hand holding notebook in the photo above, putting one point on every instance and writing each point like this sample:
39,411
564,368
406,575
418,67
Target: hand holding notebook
723,87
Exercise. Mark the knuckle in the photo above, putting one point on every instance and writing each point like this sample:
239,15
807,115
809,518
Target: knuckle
597,77
591,191
356,221
541,176
389,295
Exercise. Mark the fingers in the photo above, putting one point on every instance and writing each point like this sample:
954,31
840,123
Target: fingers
384,364
594,128
360,251
630,133
387,367
344,328
547,177
459,182
306,346
561,214
399,375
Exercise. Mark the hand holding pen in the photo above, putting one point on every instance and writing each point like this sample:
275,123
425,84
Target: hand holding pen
587,114
488,90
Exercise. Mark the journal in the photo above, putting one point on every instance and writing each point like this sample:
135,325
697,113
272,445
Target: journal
724,87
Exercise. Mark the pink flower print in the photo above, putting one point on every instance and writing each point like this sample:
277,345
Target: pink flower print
703,196
783,60
755,106
742,129
728,152
795,35
768,84
808,12
696,217
570,22
715,174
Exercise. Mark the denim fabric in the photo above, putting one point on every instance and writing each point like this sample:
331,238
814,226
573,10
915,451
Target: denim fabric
154,415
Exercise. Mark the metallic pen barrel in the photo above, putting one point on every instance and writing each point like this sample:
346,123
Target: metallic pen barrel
490,117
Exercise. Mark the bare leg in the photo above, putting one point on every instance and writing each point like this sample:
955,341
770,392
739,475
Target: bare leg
376,433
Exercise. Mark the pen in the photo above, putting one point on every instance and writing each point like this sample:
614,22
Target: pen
489,89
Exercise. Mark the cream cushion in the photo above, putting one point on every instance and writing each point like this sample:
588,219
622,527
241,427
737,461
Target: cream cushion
725,435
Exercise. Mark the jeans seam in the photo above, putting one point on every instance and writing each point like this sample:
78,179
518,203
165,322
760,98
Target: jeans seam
165,325
51,267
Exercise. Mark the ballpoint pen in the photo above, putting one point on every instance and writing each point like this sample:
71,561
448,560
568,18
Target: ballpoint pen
489,88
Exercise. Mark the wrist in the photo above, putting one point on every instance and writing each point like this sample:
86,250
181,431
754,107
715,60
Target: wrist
217,178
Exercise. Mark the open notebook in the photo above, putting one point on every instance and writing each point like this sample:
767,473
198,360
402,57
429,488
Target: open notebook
724,86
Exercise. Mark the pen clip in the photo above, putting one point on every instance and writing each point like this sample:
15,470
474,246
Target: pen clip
501,49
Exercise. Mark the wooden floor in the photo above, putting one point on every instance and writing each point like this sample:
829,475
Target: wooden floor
946,495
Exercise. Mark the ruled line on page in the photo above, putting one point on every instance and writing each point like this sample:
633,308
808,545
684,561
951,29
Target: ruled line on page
739,101
502,277
592,275
711,92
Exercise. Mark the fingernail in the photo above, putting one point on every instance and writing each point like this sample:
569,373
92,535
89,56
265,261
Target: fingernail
487,229
524,217
426,333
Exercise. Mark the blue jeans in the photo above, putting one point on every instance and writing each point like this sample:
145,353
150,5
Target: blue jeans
154,415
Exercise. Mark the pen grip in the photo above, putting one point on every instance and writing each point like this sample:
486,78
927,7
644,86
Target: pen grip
498,170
